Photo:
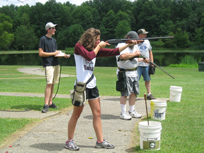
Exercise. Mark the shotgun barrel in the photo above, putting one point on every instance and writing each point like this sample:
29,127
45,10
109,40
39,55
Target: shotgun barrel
116,41
157,66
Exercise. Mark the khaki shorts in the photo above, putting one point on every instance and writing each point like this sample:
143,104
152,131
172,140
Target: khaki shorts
52,74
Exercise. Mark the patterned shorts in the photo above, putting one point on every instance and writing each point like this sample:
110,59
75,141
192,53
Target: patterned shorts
132,86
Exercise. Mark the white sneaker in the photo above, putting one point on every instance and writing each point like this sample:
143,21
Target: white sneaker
125,116
135,114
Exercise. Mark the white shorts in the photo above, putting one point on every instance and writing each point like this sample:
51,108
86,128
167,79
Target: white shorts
52,74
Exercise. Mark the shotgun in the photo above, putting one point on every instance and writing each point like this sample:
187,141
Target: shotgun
116,41
156,66
142,56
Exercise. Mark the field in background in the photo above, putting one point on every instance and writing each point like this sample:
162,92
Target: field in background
182,131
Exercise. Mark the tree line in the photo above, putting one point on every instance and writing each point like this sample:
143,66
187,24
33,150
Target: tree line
22,26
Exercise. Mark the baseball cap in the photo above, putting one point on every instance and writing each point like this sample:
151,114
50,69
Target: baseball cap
142,31
49,25
132,34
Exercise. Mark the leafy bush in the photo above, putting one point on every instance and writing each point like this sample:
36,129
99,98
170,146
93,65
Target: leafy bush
157,44
186,61
198,47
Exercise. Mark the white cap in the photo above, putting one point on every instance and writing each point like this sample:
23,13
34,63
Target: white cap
49,25
142,31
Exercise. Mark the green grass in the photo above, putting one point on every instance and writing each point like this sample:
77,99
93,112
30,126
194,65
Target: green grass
30,103
182,130
184,65
13,103
9,126
13,81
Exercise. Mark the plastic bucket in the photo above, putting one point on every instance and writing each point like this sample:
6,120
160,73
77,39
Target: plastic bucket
175,93
150,135
158,109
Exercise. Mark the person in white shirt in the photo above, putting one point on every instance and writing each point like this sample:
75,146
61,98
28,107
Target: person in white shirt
86,50
126,62
143,68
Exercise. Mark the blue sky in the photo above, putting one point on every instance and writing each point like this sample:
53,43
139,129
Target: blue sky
32,2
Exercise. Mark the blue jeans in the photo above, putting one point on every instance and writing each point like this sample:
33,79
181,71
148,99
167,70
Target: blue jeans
144,71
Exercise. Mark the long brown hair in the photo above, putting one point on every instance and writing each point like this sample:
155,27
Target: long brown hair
88,38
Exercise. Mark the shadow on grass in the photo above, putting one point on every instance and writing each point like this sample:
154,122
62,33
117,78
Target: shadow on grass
133,149
27,107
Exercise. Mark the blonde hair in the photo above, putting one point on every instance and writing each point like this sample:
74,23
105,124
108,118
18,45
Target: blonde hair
88,38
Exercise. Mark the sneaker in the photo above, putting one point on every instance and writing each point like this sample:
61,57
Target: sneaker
45,109
125,116
53,106
150,97
71,145
104,144
135,114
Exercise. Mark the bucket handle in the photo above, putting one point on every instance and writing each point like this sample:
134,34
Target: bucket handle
149,139
173,94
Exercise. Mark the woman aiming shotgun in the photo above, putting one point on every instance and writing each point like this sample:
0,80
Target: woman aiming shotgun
86,50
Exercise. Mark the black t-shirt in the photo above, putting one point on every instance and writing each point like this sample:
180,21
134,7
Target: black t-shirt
48,45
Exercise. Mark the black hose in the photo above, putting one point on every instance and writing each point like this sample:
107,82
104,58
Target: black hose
59,80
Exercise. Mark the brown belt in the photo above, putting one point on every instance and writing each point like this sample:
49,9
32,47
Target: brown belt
129,69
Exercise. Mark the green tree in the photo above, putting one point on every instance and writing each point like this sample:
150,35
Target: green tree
159,43
25,19
166,28
12,12
25,38
159,17
199,36
202,20
109,24
70,36
75,31
97,19
81,15
181,38
5,37
88,20
147,16
38,20
120,16
192,22
122,29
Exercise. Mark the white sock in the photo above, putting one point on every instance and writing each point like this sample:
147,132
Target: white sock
149,94
132,108
123,108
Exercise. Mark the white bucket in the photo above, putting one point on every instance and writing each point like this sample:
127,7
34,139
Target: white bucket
150,135
158,109
175,93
